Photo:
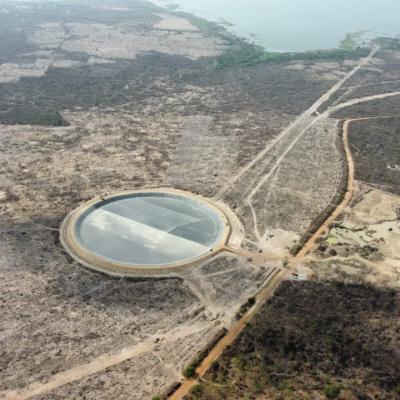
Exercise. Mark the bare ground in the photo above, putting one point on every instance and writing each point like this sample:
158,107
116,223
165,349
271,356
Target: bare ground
363,245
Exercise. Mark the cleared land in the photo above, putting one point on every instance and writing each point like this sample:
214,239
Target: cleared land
364,244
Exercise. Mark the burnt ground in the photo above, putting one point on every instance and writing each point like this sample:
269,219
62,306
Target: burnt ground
313,340
384,107
377,159
381,76
375,142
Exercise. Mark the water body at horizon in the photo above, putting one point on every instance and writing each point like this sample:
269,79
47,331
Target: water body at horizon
289,25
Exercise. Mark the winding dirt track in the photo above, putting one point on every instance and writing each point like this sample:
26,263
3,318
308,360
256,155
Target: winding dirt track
98,364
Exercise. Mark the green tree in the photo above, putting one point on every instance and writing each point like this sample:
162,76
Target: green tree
189,371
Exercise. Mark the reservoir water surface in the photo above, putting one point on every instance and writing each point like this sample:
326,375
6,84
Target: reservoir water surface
298,25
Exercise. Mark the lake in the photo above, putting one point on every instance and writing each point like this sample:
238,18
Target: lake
298,25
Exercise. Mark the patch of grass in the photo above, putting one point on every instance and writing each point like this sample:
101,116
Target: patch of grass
200,23
172,7
197,389
250,54
352,41
30,117
388,43
199,357
332,241
332,392
225,22
246,54
313,336
210,28
245,307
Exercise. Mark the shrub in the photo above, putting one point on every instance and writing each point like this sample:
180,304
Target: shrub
331,391
215,365
189,371
197,389
250,54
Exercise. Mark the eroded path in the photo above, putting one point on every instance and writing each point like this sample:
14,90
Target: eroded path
100,363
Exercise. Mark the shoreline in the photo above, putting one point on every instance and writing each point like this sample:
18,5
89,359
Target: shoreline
278,40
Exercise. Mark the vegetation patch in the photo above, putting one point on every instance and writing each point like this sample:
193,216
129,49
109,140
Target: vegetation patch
332,392
199,357
189,372
245,307
330,208
31,117
250,54
314,340
388,43
352,41
208,27
375,146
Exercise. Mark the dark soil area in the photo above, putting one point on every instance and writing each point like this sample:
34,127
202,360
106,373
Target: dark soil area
375,145
389,106
382,77
314,340
39,100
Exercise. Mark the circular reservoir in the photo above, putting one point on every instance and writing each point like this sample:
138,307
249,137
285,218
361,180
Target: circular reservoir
145,232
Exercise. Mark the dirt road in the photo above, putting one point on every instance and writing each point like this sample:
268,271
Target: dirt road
268,290
98,364
232,334
299,122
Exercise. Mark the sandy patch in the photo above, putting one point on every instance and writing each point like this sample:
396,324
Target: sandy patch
105,42
11,72
174,23
376,206
329,71
385,272
295,67
278,241
331,76
376,61
3,195
350,63
95,60
67,64
327,65
368,240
